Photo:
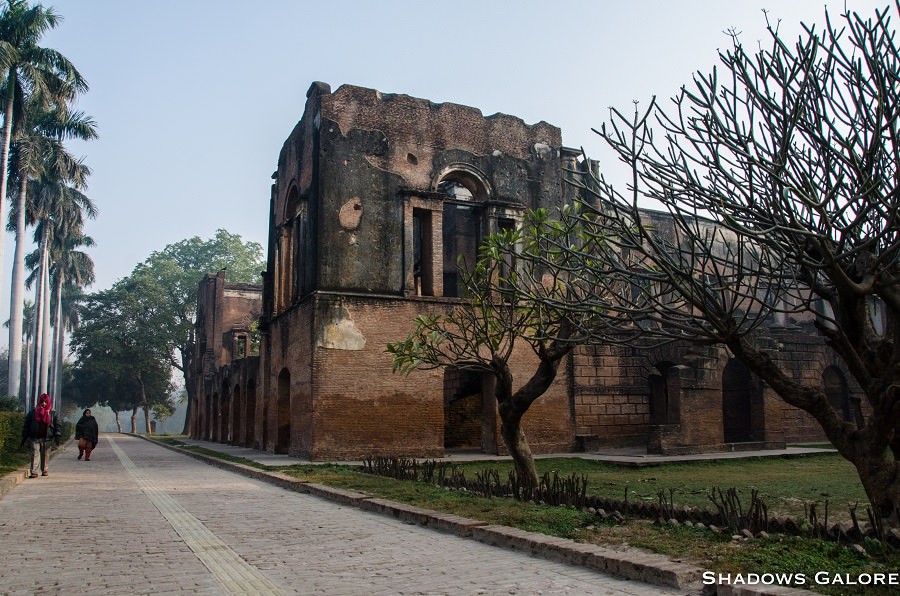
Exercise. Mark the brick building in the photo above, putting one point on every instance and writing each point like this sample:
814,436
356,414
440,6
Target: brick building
225,362
375,200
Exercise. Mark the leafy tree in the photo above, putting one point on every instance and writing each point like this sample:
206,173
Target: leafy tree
122,362
31,71
499,314
175,273
781,180
38,154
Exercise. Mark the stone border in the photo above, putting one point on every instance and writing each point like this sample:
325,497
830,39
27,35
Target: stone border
9,482
630,564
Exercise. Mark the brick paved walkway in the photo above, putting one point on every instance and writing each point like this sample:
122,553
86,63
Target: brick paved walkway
141,519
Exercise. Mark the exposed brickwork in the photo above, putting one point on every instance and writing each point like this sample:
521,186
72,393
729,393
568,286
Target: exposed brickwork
365,229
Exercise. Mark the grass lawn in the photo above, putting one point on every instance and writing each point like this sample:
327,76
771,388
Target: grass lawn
784,483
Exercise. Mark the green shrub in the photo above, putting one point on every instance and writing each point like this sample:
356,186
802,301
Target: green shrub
11,431
10,403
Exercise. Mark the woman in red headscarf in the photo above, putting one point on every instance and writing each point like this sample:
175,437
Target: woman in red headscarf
41,426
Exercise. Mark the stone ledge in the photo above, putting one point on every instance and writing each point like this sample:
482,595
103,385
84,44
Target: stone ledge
338,495
11,480
446,522
636,565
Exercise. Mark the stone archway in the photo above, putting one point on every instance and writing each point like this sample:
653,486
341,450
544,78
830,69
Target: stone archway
662,409
209,426
465,423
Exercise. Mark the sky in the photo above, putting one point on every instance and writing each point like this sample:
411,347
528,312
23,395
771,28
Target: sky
193,99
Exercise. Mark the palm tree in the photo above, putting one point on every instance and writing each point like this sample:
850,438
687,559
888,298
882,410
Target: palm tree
56,208
31,71
71,270
27,317
38,149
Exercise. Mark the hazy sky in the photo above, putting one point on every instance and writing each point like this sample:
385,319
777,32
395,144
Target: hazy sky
194,98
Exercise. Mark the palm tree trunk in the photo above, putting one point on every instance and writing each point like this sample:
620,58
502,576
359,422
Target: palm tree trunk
45,326
26,396
58,342
4,155
36,335
17,296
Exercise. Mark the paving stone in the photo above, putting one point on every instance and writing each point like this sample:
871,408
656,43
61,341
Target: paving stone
153,521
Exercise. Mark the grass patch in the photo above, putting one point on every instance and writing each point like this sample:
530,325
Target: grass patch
785,483
10,462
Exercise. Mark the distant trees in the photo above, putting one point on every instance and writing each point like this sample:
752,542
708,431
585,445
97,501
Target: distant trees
152,311
36,90
122,360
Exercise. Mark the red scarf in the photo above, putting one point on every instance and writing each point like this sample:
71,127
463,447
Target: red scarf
43,412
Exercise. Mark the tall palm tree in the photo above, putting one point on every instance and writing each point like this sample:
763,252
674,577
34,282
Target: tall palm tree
56,207
31,70
38,149
71,270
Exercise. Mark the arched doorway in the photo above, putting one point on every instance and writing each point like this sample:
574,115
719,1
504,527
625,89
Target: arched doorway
224,417
283,413
836,390
662,410
209,430
737,395
250,426
463,409
236,418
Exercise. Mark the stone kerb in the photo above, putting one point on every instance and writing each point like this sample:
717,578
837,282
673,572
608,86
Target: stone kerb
633,565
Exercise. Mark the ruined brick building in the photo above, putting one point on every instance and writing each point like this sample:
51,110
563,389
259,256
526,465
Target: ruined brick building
374,200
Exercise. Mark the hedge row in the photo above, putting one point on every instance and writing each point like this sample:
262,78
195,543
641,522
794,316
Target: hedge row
11,431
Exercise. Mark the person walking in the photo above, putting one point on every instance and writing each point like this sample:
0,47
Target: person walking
41,426
87,434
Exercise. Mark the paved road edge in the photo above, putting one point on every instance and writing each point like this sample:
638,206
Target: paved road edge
12,479
633,565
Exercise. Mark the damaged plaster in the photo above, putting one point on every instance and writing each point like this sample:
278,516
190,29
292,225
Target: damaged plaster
337,331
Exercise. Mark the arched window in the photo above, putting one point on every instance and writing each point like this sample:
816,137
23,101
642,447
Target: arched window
462,225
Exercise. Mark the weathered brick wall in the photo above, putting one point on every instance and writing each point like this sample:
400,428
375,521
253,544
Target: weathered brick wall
353,406
610,395
359,149
286,346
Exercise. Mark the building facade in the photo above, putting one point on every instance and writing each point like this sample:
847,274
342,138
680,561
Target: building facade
376,201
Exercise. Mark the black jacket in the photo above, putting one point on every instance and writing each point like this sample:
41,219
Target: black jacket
86,428
30,428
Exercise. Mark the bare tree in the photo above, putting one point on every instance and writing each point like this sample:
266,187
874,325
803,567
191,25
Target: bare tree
486,331
780,173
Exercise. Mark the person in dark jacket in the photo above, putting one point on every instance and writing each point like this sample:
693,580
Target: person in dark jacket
87,433
41,426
